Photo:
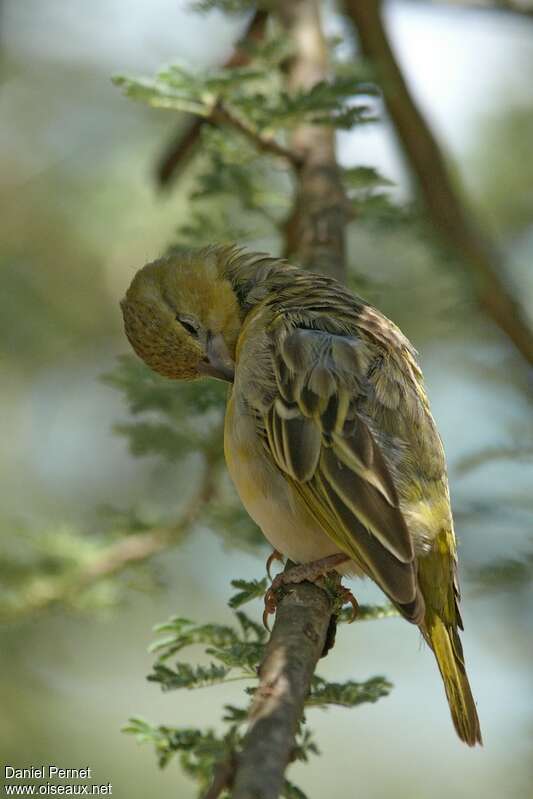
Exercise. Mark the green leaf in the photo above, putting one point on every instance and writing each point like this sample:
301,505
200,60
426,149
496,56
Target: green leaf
364,177
183,633
230,520
291,791
248,590
145,390
378,208
183,675
368,613
152,438
251,629
305,745
199,750
244,655
347,694
191,414
167,92
234,715
235,650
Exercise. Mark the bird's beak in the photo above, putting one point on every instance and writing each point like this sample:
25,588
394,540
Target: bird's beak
218,362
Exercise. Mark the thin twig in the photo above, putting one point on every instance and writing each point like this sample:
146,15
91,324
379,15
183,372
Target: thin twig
43,593
445,209
116,558
267,144
184,144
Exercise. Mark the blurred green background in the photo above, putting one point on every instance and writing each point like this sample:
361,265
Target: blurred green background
80,213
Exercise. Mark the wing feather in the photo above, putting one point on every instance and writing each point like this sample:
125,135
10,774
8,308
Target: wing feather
382,519
317,437
383,565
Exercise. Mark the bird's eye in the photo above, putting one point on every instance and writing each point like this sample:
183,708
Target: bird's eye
189,327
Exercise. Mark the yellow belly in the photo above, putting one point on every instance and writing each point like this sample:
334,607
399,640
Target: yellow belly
270,500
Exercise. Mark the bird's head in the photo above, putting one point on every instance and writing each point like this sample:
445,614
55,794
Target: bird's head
181,316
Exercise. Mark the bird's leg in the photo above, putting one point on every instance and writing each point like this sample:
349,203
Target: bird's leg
297,574
274,555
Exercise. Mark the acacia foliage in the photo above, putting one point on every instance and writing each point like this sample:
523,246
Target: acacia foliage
235,652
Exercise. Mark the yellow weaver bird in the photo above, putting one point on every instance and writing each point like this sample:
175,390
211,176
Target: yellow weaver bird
329,437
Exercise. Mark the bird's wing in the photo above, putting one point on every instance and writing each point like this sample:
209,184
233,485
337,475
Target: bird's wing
316,434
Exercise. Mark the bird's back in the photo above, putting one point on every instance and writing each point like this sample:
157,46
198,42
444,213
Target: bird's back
276,298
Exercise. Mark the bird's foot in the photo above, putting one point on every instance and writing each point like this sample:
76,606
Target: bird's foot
297,574
347,598
340,596
274,555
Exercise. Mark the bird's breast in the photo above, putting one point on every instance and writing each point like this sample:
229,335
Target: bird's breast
268,497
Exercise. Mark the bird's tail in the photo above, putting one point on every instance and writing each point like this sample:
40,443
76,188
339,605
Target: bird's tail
446,645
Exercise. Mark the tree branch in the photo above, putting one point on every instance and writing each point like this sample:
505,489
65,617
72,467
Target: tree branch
266,144
315,229
315,235
506,6
444,206
116,558
182,147
179,151
44,592
296,643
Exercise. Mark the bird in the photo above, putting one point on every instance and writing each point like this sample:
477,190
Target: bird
328,433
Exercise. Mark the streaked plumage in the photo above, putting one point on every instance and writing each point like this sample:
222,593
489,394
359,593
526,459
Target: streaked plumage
328,436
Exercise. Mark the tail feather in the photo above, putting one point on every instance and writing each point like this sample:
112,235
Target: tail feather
446,645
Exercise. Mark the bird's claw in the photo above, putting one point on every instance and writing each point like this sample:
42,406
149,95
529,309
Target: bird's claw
274,555
305,571
271,602
347,598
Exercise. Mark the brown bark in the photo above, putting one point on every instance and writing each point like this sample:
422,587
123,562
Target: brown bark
444,206
315,230
293,650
